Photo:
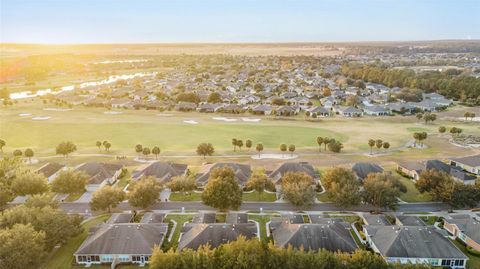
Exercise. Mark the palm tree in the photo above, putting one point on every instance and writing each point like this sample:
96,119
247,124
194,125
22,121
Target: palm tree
259,148
326,140
371,144
386,145
107,146
379,143
319,142
156,151
248,144
234,143
99,145
291,148
240,144
146,152
29,154
416,136
283,148
2,144
138,149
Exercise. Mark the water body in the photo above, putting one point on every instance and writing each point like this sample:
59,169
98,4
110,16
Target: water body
110,79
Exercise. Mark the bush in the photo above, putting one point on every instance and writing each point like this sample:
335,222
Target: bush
473,251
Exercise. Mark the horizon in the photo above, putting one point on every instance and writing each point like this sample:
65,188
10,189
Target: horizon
217,21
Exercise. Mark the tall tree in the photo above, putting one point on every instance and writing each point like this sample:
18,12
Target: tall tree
22,247
156,151
371,144
335,146
260,182
106,198
386,145
442,129
65,148
182,183
319,142
138,149
146,152
29,154
239,144
380,192
144,192
29,183
297,189
204,149
2,144
326,141
283,148
99,145
17,153
259,148
248,144
342,187
107,146
69,181
234,143
291,149
222,190
379,144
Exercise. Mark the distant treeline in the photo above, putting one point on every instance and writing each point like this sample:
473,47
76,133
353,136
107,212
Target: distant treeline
448,83
250,254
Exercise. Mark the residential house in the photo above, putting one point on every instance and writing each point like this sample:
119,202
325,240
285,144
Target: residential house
470,164
457,173
319,111
414,245
287,111
376,111
100,174
197,234
331,234
185,106
116,243
262,110
410,169
465,228
242,172
294,167
209,108
162,171
50,170
348,111
362,170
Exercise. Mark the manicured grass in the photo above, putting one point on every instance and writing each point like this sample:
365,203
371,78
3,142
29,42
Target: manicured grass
63,257
323,197
412,194
255,196
191,196
73,197
430,220
474,261
262,221
180,219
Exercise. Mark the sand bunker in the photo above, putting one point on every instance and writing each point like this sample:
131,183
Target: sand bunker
164,115
57,109
224,119
112,112
190,121
274,156
41,118
251,120
24,114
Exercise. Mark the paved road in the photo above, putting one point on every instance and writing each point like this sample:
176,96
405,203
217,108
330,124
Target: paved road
410,207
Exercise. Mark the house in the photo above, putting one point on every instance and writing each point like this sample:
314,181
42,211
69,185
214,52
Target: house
50,170
232,108
114,243
242,172
456,173
196,233
302,167
376,111
162,171
287,111
209,108
348,111
302,102
319,111
185,106
332,235
410,169
120,103
262,110
362,170
415,245
100,174
470,164
403,108
465,228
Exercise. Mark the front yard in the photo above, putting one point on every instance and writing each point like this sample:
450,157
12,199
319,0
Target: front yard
247,196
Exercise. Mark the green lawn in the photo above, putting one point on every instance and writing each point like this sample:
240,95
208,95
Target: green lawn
63,257
191,196
255,196
412,194
474,261
262,221
180,219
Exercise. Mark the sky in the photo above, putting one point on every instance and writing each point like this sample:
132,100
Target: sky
161,21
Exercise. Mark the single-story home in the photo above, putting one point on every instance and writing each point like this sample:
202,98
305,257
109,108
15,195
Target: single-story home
456,173
100,173
376,110
411,169
302,167
209,108
162,171
414,245
362,170
50,170
348,111
319,111
470,164
262,110
242,172
465,228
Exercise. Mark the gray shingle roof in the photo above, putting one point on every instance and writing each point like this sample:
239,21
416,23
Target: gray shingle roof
412,242
215,234
98,172
49,169
472,161
160,170
468,225
363,169
452,170
334,236
242,172
124,238
284,168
